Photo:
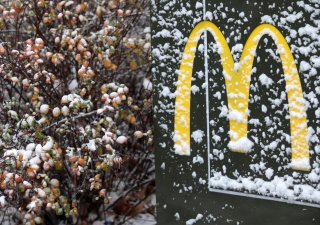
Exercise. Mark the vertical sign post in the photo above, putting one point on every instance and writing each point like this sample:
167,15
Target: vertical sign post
237,113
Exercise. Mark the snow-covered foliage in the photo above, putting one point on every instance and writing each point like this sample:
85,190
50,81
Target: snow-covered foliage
73,102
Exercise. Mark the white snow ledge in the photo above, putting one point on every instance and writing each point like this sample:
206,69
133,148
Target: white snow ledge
243,145
300,164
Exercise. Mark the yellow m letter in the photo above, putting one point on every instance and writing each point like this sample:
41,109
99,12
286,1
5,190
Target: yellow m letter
237,81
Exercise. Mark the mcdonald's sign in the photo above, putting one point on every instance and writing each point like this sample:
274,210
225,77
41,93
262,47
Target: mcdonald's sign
237,78
237,111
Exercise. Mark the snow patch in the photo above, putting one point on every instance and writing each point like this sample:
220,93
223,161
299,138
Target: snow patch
243,145
197,136
300,164
193,221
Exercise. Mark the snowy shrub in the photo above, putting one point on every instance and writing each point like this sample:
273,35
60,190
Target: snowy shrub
75,105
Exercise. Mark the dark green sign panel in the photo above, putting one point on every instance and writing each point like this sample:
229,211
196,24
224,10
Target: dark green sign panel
237,114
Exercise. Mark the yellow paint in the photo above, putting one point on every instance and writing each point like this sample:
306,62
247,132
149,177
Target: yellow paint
238,85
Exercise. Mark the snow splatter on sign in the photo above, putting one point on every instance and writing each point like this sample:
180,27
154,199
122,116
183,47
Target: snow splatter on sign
237,111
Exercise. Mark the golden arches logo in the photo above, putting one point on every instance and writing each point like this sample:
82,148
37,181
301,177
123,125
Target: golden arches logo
237,82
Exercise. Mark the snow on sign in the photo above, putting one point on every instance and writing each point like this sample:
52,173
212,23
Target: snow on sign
237,89
237,82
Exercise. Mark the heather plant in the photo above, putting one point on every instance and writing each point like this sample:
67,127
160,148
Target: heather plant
75,112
